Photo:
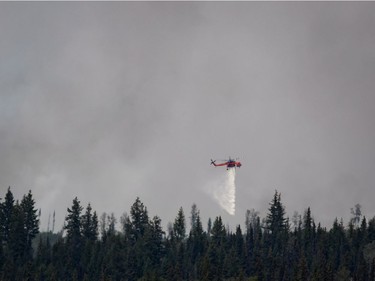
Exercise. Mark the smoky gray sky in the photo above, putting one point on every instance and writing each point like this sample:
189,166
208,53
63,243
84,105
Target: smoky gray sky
110,101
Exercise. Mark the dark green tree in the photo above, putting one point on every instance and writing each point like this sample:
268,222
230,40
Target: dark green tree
234,262
89,230
194,215
216,250
31,222
74,241
308,237
6,216
338,246
277,228
179,226
73,222
139,218
154,246
275,239
138,231
197,237
17,236
276,221
209,226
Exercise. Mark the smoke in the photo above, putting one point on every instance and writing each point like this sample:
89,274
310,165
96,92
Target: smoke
224,191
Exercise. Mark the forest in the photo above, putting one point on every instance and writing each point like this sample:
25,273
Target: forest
266,249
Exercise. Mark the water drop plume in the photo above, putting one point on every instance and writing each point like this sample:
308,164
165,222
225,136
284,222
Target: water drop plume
224,191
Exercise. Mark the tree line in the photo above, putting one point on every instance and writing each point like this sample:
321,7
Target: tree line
267,249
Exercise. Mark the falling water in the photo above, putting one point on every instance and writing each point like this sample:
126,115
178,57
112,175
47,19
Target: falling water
224,191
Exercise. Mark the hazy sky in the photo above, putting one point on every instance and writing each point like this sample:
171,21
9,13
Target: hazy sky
110,101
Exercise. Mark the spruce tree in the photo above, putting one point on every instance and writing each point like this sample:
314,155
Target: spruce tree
6,216
16,247
193,219
179,226
31,221
276,221
73,222
308,237
196,241
156,241
139,218
74,238
240,249
216,250
89,223
276,225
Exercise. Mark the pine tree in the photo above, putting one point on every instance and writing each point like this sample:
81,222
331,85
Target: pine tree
137,234
218,232
216,250
198,238
308,237
196,242
193,219
179,227
73,222
276,221
17,236
139,218
6,216
240,250
31,221
153,247
276,225
94,227
74,238
89,223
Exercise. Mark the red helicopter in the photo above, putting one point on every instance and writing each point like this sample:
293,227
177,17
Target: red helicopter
231,163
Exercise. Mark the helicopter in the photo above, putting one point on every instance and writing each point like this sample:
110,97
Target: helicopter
231,163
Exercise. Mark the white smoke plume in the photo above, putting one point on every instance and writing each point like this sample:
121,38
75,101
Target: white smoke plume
224,191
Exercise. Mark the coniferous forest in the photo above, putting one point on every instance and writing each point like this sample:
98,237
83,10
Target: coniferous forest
266,249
